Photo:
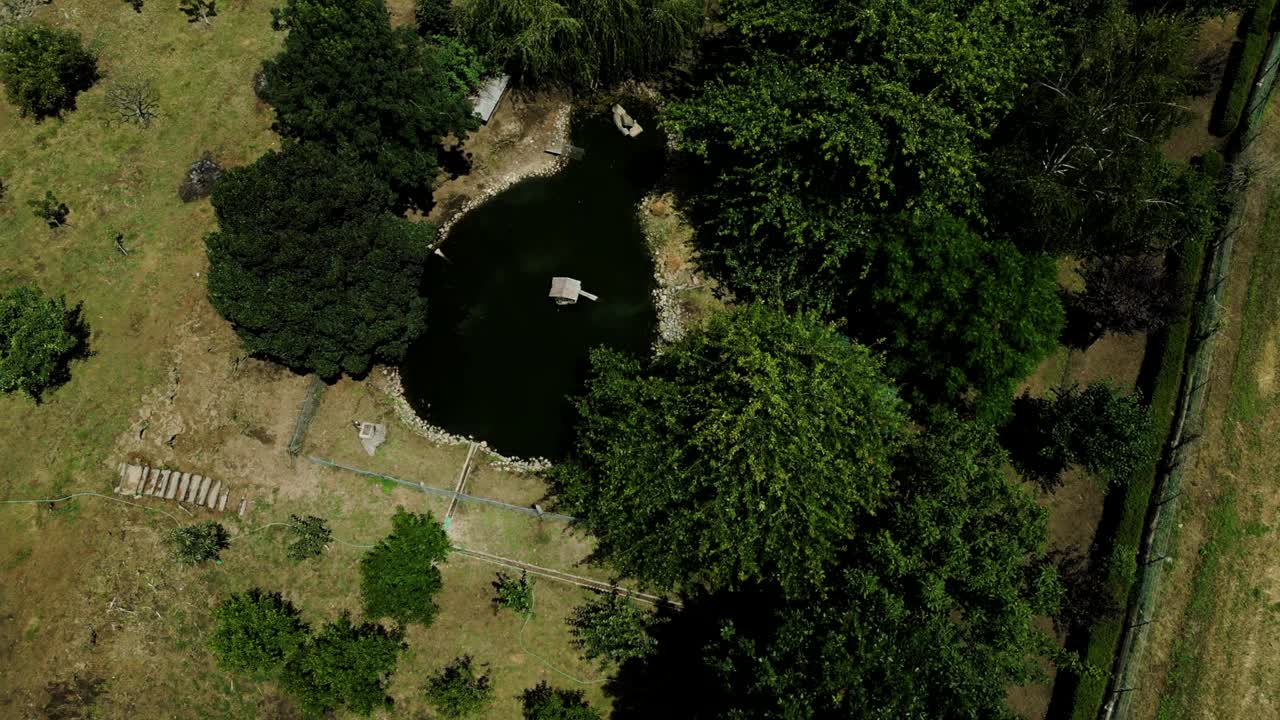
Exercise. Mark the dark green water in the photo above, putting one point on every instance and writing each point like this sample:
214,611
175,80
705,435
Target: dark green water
499,358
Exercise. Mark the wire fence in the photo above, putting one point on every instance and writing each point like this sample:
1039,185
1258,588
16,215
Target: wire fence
306,412
452,494
1155,554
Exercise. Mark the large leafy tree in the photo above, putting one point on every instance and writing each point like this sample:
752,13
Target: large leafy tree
931,615
311,266
746,451
39,336
583,42
543,702
1078,168
44,68
818,116
961,318
344,666
399,578
256,632
346,78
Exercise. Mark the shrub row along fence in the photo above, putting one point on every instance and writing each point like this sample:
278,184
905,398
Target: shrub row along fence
1155,553
306,412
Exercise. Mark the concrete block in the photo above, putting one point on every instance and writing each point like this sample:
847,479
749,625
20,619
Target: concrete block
244,504
183,484
203,492
174,481
213,494
195,488
164,482
222,500
152,476
136,474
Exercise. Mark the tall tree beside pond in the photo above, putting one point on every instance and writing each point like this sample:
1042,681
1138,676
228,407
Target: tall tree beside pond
588,43
744,452
961,318
44,68
816,117
310,265
1078,168
347,79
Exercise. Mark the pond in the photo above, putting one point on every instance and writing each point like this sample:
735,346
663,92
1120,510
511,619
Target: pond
500,359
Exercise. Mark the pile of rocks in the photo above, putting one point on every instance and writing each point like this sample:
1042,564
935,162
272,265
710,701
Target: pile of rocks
197,490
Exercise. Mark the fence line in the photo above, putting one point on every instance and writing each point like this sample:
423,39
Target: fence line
446,493
1159,536
306,412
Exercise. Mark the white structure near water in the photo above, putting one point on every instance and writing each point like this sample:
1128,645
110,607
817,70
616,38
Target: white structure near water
566,291
486,99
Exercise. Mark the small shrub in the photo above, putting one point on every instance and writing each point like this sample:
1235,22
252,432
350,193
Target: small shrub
1249,57
50,210
612,629
1087,597
198,10
544,702
44,68
311,536
256,632
202,177
458,691
135,4
514,594
194,544
134,101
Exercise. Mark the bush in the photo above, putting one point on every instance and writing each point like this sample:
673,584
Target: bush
613,629
202,177
311,536
344,665
514,594
434,17
39,336
1248,58
51,210
399,578
194,544
544,702
43,68
198,10
1109,433
1087,595
458,691
256,632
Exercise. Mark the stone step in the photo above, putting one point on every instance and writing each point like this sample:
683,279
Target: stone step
174,481
183,484
164,482
222,501
152,476
213,494
204,490
195,488
134,485
244,504
124,474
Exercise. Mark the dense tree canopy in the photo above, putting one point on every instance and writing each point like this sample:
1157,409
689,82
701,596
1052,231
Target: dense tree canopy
543,702
961,318
1125,295
347,79
459,690
611,629
256,632
583,42
311,267
1078,168
44,68
39,336
819,116
743,452
931,615
399,578
344,666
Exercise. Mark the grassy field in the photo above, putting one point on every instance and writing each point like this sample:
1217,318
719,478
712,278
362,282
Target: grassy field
88,594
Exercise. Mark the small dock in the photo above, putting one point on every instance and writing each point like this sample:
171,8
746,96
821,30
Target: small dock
567,290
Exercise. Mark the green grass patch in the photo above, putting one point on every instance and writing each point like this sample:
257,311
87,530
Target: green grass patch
1261,314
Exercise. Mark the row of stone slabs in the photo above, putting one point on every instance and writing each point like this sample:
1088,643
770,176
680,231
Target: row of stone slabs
201,491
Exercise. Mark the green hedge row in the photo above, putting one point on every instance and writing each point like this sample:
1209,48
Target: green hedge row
1260,17
1171,347
1248,57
